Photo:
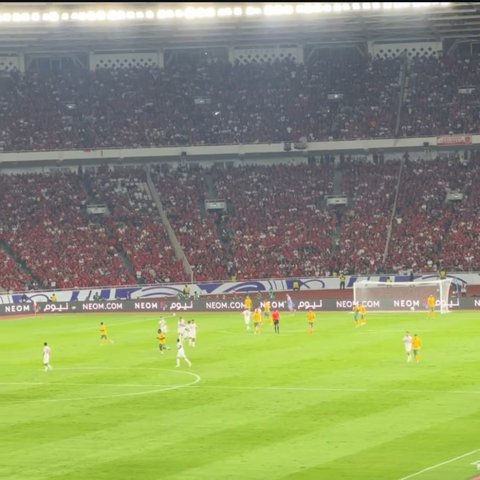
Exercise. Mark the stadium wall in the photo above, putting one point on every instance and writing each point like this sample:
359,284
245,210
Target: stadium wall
146,293
214,305
232,152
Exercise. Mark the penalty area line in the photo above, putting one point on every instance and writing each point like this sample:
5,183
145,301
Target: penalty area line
433,467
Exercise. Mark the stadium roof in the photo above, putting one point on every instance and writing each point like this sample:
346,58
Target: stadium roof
457,21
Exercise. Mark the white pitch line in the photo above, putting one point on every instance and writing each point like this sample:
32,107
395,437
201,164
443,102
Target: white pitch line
157,387
440,464
326,389
60,384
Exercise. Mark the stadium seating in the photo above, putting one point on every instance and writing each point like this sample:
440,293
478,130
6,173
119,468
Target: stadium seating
183,194
135,224
278,226
214,103
45,223
364,225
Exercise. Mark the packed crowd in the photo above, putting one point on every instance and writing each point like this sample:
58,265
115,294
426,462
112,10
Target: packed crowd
428,232
134,224
200,103
441,96
43,220
364,226
183,195
278,226
276,223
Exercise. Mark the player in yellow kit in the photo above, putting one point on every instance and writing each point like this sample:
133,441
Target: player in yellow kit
311,321
257,320
431,301
162,340
416,346
248,302
266,311
103,334
363,314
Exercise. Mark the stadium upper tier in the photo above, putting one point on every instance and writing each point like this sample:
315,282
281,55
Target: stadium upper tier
276,223
214,102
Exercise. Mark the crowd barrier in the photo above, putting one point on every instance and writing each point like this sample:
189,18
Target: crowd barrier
206,305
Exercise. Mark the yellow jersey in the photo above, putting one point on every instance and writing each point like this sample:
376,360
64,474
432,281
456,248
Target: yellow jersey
103,330
311,317
416,343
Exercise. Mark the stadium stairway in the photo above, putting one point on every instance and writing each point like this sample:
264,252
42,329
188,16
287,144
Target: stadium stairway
179,253
223,231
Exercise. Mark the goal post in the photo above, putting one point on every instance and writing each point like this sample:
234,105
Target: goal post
402,296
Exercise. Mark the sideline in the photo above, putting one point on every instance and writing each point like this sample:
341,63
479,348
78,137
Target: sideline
440,464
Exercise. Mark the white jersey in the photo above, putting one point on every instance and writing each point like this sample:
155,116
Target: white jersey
407,340
181,327
187,331
46,354
193,330
180,350
247,315
163,326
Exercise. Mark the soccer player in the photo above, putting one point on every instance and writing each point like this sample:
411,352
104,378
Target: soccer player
276,321
103,334
248,302
192,334
163,325
356,315
257,320
363,314
186,332
46,356
162,340
247,314
431,300
311,321
290,303
181,353
181,327
407,341
266,309
416,345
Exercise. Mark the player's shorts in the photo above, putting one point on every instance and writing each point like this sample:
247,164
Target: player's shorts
46,359
181,355
408,349
416,352
311,324
267,314
103,337
355,316
276,322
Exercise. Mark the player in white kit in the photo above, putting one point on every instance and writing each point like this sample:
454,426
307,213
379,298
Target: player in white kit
181,328
247,315
407,341
46,357
181,353
163,325
192,334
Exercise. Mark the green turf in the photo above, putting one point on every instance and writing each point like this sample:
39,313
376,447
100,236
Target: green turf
339,404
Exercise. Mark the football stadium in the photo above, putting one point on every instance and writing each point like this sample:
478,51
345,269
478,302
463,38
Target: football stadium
240,241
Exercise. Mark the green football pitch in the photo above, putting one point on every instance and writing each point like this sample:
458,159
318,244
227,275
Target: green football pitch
342,403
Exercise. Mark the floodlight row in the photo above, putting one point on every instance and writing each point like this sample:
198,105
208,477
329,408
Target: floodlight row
191,13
